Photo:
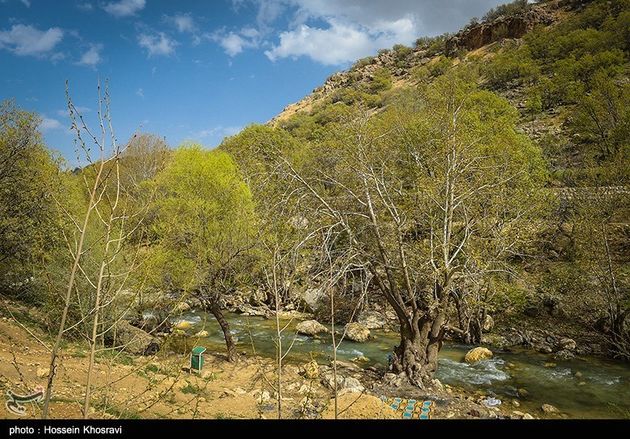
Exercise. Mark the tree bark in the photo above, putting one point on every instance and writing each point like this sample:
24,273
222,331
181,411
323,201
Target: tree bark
420,343
216,311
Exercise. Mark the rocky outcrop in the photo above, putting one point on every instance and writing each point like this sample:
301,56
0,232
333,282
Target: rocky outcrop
357,332
347,384
134,340
514,26
310,327
313,298
373,320
477,354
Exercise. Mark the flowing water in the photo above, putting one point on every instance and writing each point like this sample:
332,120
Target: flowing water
580,388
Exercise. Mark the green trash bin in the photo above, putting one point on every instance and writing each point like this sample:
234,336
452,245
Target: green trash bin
196,358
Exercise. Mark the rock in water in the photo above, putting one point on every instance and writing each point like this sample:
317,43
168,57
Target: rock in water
477,354
310,327
548,408
564,355
183,325
357,332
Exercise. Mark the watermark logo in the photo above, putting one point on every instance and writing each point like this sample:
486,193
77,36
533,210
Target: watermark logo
15,402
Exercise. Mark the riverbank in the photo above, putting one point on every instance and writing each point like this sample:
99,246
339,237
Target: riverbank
161,387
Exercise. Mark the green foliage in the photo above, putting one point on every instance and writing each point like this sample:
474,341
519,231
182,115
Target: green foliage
603,122
506,10
439,66
433,45
576,50
401,55
512,65
381,80
205,222
191,389
362,63
29,184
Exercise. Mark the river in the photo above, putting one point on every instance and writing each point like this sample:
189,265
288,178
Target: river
583,387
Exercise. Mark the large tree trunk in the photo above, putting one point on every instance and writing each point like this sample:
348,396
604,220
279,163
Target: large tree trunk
420,342
216,311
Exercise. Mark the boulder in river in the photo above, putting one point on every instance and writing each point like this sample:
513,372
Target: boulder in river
564,355
183,325
358,332
310,327
477,354
548,408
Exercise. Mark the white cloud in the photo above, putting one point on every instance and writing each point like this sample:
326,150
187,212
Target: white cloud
183,22
234,43
140,92
157,44
342,42
48,124
218,131
26,40
339,31
92,56
124,8
26,3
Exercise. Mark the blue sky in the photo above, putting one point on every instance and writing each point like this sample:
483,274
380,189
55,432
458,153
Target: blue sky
196,70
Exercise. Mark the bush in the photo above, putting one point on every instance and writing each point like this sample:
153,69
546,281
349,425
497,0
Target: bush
381,81
508,9
439,66
363,62
508,66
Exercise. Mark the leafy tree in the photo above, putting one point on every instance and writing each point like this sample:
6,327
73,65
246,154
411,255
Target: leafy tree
205,223
29,183
434,193
507,9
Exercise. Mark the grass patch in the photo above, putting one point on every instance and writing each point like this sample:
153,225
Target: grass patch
191,389
152,368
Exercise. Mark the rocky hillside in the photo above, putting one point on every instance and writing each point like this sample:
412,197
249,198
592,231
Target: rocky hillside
401,61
